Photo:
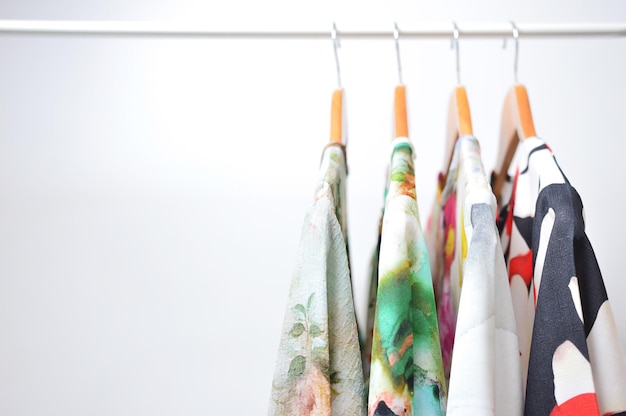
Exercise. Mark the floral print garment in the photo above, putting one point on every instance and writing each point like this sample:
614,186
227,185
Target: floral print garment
366,342
318,369
442,241
485,371
406,376
570,347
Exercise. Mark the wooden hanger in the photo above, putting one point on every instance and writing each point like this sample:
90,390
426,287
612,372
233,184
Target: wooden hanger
400,116
336,117
459,123
399,102
516,124
459,115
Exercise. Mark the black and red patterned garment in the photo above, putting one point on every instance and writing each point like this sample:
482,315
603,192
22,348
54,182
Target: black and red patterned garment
571,357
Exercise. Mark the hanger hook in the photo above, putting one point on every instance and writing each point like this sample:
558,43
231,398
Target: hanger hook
516,37
336,45
396,36
455,45
516,59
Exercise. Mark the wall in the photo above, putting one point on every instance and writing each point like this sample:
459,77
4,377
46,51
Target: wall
153,190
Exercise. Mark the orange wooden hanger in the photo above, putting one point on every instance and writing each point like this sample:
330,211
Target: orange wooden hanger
399,103
516,124
336,117
400,116
459,115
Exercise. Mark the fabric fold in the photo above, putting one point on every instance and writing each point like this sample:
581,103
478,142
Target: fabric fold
318,368
474,303
571,356
406,376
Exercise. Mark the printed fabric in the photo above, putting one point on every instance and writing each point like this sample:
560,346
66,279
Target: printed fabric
569,347
406,376
473,298
446,251
368,336
318,368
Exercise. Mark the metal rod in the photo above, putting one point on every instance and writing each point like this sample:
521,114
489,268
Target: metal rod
425,30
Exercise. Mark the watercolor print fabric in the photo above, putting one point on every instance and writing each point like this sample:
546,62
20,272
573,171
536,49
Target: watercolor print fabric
367,337
473,300
444,247
485,374
575,362
318,368
447,242
406,376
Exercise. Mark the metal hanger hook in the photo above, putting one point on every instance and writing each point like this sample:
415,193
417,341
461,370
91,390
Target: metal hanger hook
516,37
516,58
455,45
396,36
336,45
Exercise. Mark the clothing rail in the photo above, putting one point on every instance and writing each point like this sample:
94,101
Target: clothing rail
425,30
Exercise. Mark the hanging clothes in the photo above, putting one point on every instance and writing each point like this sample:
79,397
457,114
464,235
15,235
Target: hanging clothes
318,369
368,336
473,298
571,357
441,240
406,376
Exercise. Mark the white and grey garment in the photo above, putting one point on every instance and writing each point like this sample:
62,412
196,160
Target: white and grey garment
485,376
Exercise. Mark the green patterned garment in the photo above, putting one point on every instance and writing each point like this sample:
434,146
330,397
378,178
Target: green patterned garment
406,375
318,368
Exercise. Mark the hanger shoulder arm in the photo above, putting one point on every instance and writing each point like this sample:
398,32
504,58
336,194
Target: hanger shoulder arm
459,123
516,124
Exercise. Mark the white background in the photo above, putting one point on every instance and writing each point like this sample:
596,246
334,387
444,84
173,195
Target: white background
152,190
